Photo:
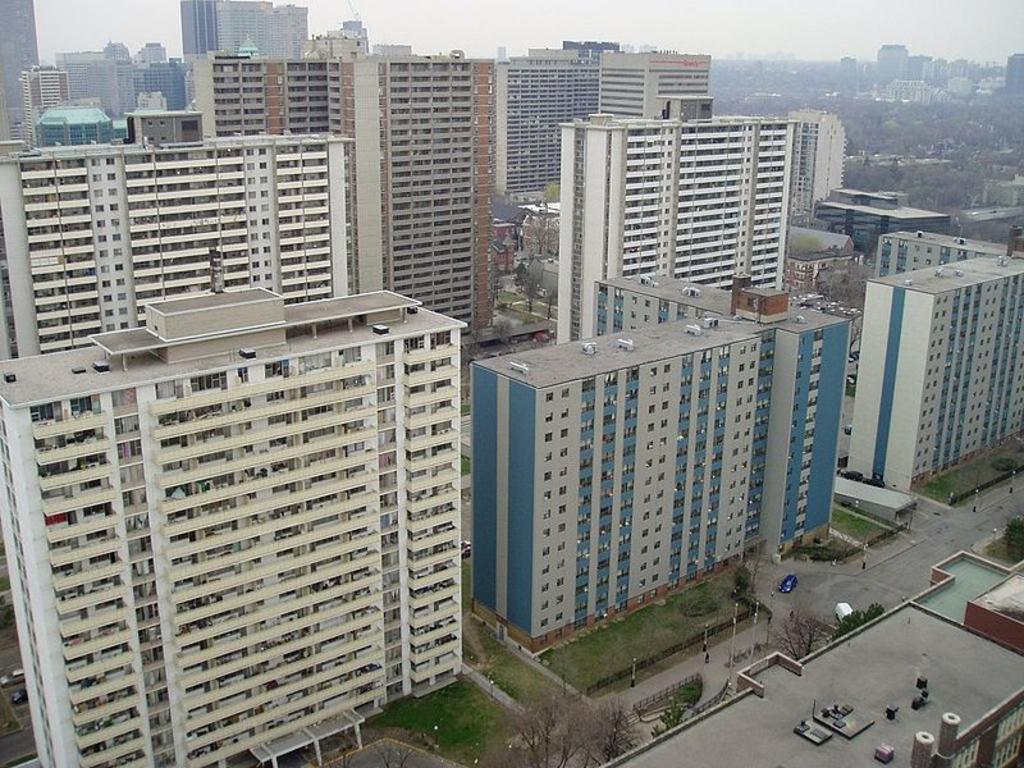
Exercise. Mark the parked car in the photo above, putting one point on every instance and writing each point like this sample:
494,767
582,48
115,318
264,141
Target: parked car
788,584
467,549
20,696
15,677
852,474
875,481
843,610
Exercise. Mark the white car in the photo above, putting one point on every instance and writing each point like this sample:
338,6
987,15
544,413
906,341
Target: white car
843,610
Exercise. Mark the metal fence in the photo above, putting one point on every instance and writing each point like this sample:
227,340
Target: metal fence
653,701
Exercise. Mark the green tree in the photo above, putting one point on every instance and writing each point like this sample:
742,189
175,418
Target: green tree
671,717
857,619
1013,537
741,580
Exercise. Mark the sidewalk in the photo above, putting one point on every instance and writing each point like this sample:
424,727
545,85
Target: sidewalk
715,673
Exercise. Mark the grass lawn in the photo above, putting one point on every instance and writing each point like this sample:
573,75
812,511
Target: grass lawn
467,464
512,675
996,550
467,584
470,723
854,525
613,646
8,722
971,474
465,408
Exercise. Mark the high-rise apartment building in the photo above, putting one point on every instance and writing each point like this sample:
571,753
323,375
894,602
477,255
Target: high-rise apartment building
18,50
697,200
609,472
907,251
5,121
891,63
100,75
940,372
637,84
422,163
166,78
41,89
1015,74
92,234
234,532
242,95
535,94
818,154
198,27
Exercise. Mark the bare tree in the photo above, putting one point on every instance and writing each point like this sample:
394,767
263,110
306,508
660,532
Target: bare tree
531,283
540,235
845,282
392,754
612,731
800,633
503,329
551,732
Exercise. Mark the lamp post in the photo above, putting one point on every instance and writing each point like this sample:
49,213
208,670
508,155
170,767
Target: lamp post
437,743
732,643
632,674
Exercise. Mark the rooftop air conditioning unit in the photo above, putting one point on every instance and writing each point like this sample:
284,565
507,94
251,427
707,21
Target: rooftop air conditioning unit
801,320
695,330
522,368
691,291
247,352
101,366
589,348
380,329
710,322
626,344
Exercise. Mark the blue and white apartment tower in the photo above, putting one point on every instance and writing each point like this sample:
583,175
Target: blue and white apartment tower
607,472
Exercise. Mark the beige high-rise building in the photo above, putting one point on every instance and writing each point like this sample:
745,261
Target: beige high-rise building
699,200
234,532
818,153
41,88
93,233
637,84
421,171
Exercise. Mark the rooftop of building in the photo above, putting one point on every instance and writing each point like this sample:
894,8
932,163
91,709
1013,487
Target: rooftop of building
822,239
827,255
950,241
73,116
1006,598
951,277
134,355
562,363
869,670
957,581
608,121
888,205
718,301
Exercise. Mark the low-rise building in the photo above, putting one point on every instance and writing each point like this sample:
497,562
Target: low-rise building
804,268
911,689
940,376
67,126
865,216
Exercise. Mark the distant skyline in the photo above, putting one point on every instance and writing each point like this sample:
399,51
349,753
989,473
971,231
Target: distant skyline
983,30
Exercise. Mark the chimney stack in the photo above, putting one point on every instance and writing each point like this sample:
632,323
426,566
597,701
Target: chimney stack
924,746
948,733
740,282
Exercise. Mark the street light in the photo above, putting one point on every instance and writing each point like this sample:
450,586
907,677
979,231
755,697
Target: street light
632,674
437,743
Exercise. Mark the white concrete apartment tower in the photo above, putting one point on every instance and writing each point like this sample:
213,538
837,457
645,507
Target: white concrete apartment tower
637,84
235,531
818,152
699,200
93,233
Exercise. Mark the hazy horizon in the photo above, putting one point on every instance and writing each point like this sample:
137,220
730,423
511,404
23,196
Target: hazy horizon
985,31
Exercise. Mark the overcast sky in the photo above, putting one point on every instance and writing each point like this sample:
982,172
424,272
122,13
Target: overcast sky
984,30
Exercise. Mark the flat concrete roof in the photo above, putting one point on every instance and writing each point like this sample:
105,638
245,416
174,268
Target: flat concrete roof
899,212
1006,598
971,579
44,378
213,301
868,670
949,241
562,363
870,494
953,276
718,301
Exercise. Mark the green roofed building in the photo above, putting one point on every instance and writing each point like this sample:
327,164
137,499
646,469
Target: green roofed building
67,126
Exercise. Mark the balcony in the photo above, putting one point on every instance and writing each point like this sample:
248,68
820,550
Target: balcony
83,421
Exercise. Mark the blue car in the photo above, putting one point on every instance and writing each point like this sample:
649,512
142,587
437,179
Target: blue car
788,584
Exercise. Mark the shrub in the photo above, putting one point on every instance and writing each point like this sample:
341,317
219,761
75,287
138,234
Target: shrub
1004,464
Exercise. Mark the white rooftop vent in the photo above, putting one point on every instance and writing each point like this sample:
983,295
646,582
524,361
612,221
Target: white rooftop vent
695,330
589,348
920,233
958,272
908,281
961,241
1002,261
710,322
691,291
801,320
626,344
646,279
940,272
522,368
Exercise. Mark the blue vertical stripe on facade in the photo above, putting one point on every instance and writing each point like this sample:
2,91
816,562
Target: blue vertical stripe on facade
485,485
892,352
831,386
522,402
